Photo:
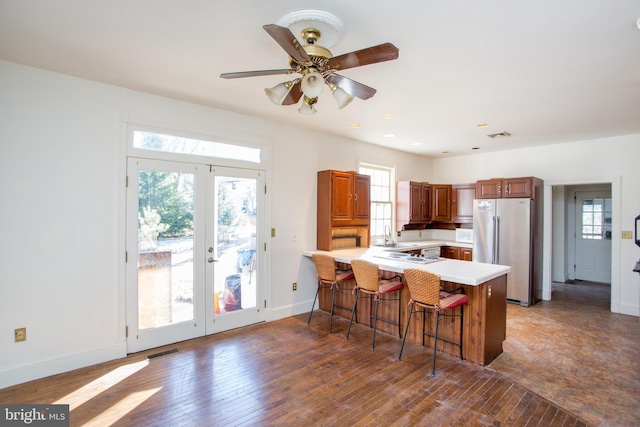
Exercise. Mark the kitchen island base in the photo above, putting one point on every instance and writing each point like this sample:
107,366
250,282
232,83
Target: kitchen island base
483,323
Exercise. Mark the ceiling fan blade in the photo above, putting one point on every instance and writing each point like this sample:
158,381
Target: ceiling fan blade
294,94
240,74
371,55
288,42
352,87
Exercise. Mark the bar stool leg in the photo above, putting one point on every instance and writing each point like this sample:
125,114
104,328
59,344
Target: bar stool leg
435,345
375,323
355,306
404,337
314,304
333,297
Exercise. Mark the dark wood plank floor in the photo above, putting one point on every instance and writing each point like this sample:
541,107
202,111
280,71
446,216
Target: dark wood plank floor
289,373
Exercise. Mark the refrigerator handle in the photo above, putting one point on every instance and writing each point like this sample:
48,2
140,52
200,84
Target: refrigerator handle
496,242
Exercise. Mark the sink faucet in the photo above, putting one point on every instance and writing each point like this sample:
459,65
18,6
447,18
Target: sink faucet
387,233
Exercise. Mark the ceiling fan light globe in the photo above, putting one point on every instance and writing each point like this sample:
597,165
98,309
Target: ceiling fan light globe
307,107
312,84
277,93
342,97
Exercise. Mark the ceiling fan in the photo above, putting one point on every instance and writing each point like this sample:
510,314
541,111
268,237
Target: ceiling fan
317,67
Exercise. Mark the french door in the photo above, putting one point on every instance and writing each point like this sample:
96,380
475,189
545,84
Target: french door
193,261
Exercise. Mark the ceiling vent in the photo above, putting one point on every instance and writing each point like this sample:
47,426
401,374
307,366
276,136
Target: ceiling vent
499,135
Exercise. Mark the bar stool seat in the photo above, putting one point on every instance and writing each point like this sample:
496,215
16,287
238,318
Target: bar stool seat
369,285
427,297
329,277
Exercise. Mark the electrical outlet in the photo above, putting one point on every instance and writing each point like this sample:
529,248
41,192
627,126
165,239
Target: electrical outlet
20,334
294,286
273,232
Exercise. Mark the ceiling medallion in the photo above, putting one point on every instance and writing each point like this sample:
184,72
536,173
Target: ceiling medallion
330,27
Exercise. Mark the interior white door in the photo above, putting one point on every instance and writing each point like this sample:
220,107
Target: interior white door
593,236
193,264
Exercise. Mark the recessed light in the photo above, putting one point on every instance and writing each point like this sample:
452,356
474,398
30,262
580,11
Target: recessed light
389,135
445,152
416,143
354,125
389,116
482,125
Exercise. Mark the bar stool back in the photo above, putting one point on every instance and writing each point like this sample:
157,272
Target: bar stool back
369,285
426,297
329,277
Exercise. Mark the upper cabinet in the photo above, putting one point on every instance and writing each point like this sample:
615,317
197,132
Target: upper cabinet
498,188
413,203
442,210
343,209
462,199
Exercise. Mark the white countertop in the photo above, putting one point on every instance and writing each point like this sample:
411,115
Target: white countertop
465,272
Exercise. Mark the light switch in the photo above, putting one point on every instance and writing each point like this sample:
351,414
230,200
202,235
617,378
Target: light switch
627,235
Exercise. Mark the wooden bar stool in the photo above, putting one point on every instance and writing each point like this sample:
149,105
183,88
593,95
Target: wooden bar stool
329,277
370,285
425,293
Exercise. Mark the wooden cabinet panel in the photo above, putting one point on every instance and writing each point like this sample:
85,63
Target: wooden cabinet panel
463,195
361,198
342,196
489,189
517,187
466,254
450,252
441,207
413,203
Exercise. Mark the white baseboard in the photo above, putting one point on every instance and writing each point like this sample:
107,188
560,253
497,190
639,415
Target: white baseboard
32,371
289,310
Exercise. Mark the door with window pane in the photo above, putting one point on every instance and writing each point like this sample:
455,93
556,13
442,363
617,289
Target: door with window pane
192,262
593,236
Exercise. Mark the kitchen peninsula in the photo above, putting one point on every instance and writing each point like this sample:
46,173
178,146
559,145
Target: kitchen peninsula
485,315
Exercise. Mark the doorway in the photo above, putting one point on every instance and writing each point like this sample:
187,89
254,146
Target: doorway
193,264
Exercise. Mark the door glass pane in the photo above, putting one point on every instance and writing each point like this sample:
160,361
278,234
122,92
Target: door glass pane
596,218
236,231
165,248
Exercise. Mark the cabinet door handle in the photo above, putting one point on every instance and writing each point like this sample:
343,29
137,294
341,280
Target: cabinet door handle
355,197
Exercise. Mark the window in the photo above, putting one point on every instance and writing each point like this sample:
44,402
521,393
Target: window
596,218
381,199
181,145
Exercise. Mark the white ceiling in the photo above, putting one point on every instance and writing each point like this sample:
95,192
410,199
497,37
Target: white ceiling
546,71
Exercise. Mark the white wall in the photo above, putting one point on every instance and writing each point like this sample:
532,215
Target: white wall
62,168
607,160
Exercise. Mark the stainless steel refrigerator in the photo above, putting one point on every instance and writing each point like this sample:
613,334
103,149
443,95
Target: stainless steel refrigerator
508,232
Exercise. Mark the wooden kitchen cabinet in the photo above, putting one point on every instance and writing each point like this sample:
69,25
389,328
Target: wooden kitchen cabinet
413,203
462,199
455,252
343,209
450,252
441,208
498,188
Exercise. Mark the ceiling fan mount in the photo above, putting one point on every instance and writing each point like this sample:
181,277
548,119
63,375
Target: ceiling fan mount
316,64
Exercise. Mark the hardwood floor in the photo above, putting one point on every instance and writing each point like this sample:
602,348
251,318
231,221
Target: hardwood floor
289,373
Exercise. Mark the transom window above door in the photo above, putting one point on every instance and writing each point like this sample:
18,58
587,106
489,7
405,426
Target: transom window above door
196,147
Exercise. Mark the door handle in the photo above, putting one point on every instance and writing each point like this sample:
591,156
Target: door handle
210,260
